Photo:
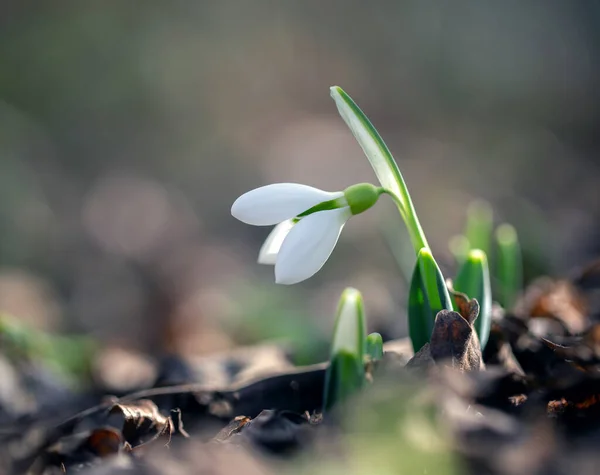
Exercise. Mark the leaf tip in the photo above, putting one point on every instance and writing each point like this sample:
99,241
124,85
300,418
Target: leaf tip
336,91
350,294
425,252
506,234
477,255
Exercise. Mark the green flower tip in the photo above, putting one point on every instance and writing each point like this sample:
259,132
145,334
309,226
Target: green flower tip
351,302
336,90
351,295
506,234
361,197
425,252
477,255
340,96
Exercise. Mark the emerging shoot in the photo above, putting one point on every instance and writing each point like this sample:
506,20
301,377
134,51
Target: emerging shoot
509,265
374,346
473,279
480,222
428,295
346,371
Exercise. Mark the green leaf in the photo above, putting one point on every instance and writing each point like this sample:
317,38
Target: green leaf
342,379
473,279
509,265
382,161
480,222
70,356
374,346
428,295
346,369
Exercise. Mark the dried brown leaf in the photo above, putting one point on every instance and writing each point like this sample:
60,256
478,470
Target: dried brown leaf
104,442
232,428
468,308
142,421
422,358
584,354
454,339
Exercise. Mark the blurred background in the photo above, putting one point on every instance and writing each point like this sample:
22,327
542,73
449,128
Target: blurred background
127,130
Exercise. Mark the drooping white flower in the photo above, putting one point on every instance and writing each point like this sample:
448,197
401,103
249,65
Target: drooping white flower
309,222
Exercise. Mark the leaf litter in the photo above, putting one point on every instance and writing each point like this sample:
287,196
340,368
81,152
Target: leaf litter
529,404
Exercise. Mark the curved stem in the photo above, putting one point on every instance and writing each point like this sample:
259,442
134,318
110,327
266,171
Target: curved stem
417,236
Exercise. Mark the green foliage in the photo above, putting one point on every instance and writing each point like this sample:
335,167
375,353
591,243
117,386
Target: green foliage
509,265
480,222
428,295
374,346
346,371
394,428
382,161
68,356
506,268
343,378
428,292
473,279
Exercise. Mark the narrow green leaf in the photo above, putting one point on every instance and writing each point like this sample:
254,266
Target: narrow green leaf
419,312
509,265
428,295
374,346
346,369
473,279
344,376
480,221
382,161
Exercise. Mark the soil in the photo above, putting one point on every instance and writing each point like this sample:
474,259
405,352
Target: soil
528,404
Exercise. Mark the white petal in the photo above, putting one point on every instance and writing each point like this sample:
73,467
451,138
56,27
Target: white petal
309,244
270,248
275,203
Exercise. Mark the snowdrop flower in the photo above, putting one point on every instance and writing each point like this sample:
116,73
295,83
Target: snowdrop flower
309,222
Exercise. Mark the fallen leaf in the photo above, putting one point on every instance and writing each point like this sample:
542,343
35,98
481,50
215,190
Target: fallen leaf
468,308
454,339
499,352
104,442
232,428
141,422
584,353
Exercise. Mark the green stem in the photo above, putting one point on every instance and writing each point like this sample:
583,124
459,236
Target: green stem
417,236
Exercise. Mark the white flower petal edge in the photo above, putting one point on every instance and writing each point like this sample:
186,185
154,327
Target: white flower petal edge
275,203
309,244
270,248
